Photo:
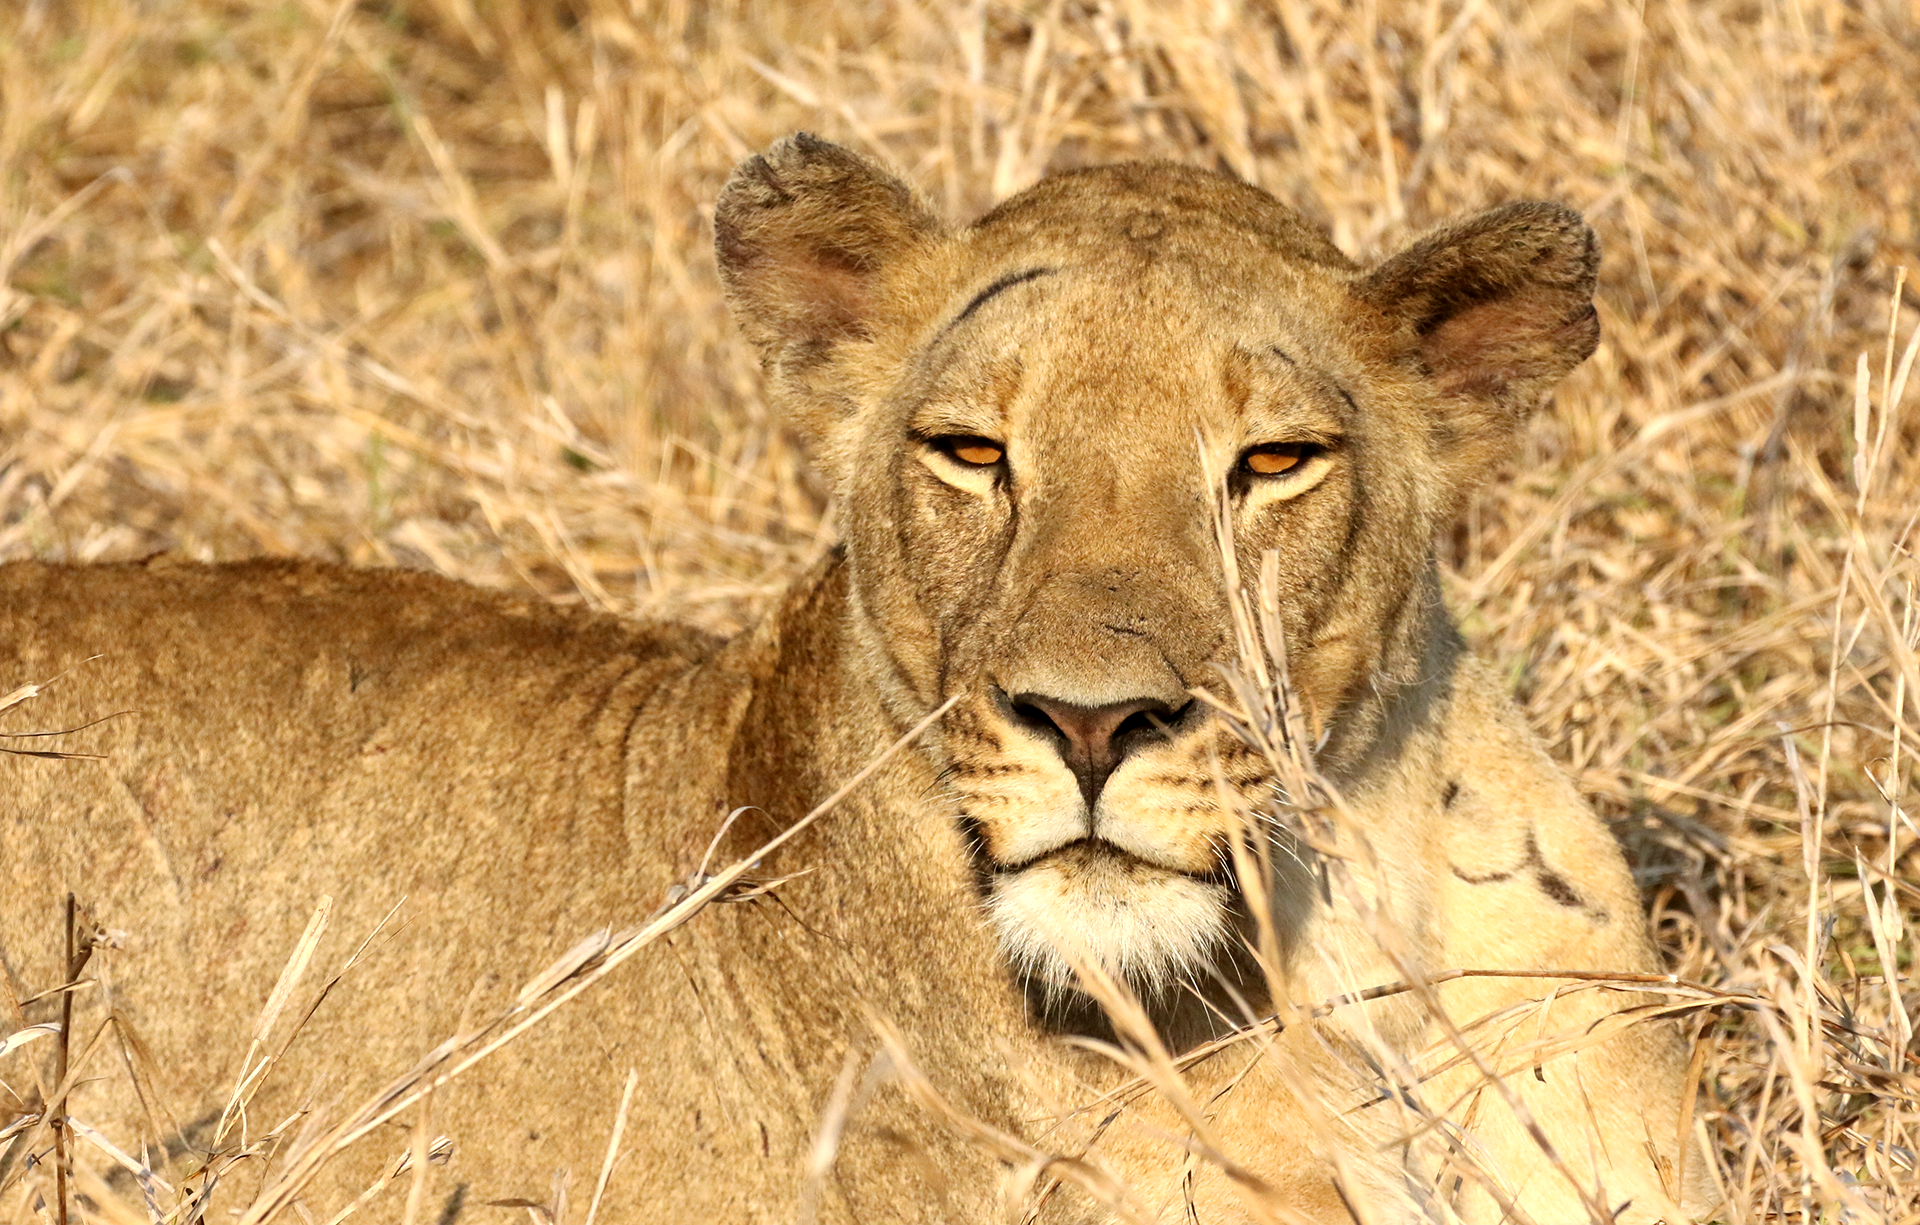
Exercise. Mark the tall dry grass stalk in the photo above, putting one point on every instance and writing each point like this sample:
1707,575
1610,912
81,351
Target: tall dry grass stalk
428,283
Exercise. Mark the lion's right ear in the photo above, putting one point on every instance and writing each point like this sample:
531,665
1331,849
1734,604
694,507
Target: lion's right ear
806,234
1496,309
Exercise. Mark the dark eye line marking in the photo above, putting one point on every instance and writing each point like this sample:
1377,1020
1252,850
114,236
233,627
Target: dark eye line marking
1004,283
1323,382
934,437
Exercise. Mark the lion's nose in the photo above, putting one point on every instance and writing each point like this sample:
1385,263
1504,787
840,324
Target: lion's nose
1094,740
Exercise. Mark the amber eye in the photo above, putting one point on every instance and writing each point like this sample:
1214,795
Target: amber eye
1275,458
971,450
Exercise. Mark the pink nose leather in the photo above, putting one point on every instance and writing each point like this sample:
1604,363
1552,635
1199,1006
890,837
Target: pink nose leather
1093,740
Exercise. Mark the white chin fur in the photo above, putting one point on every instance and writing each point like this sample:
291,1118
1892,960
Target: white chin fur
1143,925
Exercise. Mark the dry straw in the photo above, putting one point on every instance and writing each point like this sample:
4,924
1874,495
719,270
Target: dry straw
428,283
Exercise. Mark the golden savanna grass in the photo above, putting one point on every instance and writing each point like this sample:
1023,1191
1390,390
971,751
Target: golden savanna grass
428,283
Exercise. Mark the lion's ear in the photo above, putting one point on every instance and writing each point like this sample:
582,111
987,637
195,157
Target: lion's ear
805,234
1501,304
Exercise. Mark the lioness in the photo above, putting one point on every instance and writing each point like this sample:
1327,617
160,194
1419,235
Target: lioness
1028,423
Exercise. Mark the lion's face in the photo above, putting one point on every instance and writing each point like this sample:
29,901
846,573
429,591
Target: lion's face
1035,534
1033,424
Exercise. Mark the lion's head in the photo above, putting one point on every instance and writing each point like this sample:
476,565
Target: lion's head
1028,421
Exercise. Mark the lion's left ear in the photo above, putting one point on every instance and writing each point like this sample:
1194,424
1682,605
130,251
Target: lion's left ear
1501,304
806,234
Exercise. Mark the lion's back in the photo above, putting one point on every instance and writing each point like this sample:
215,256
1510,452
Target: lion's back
372,695
262,735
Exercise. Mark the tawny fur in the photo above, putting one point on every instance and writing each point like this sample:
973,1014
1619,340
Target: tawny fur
521,775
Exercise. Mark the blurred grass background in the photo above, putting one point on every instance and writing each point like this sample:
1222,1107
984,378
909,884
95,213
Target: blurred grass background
429,283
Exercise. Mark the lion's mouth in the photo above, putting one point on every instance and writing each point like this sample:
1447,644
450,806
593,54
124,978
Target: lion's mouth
1097,856
1089,902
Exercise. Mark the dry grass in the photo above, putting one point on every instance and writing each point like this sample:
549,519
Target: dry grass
428,283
